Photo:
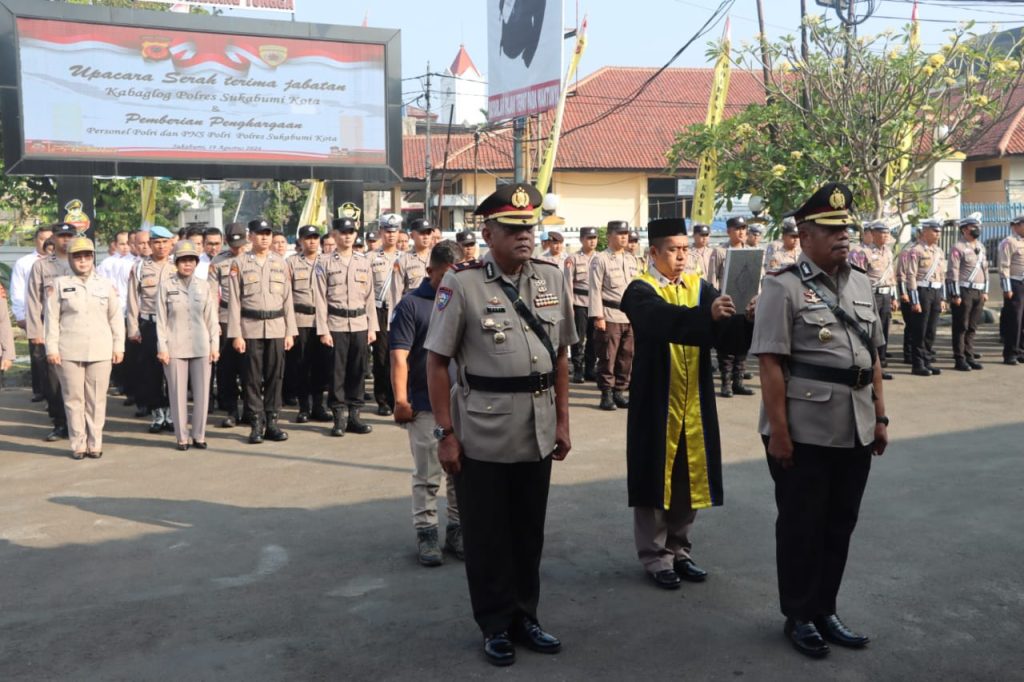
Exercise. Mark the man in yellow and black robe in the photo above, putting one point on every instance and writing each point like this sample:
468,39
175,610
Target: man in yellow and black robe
673,449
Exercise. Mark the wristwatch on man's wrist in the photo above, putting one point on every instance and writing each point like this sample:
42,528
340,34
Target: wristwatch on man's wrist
441,432
882,420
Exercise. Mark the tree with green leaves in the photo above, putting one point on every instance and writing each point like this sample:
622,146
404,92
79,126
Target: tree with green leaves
877,112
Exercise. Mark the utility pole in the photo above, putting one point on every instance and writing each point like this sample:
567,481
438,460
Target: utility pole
764,48
518,128
805,51
426,190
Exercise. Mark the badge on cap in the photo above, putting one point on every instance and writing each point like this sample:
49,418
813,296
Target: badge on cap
520,199
837,200
444,297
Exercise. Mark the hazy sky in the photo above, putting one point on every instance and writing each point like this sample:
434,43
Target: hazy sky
622,32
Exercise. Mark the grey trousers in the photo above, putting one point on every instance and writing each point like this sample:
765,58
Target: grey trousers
662,537
84,388
178,373
426,475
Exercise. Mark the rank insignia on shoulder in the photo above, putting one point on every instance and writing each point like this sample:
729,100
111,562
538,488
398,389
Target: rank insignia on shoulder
444,297
468,265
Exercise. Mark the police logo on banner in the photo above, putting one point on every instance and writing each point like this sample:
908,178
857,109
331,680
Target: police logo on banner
444,297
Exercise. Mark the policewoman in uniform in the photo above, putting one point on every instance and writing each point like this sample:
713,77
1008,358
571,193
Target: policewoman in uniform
347,323
306,363
822,416
187,342
577,274
84,336
261,323
507,321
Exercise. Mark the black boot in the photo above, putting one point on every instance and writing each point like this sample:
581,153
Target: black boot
607,402
319,414
303,416
356,425
726,386
340,417
577,375
273,431
620,400
590,374
738,388
256,432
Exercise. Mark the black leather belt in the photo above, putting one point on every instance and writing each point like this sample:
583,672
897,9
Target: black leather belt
580,292
854,377
346,312
529,384
224,305
610,304
305,309
262,314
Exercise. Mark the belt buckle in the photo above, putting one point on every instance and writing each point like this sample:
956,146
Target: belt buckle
863,377
543,383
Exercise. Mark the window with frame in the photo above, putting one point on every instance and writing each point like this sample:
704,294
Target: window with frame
988,173
663,200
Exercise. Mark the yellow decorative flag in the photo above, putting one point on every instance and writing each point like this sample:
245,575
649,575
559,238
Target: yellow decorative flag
312,211
148,187
707,170
547,166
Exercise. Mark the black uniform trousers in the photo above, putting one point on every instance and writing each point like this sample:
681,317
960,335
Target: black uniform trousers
149,389
382,391
37,366
305,374
502,508
966,318
583,355
263,375
906,312
818,500
51,385
131,367
883,302
922,326
1010,322
230,373
347,370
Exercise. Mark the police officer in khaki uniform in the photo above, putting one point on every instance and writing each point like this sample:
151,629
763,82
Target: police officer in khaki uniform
925,273
874,257
229,366
1011,279
967,290
143,283
822,417
611,271
306,363
40,279
786,250
347,323
701,252
732,368
555,252
7,349
84,335
411,266
507,321
261,324
577,274
187,342
467,240
382,265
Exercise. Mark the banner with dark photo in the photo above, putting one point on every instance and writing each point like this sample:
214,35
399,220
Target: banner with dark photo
524,57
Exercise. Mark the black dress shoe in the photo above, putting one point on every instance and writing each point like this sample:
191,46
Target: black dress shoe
228,422
667,579
690,572
156,427
921,372
77,455
168,426
58,433
183,446
1010,361
887,376
38,397
94,455
141,411
738,388
805,638
384,411
499,650
833,629
620,400
302,418
974,364
533,636
200,445
934,370
961,366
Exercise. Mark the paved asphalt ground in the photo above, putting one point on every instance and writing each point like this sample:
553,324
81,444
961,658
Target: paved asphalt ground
296,561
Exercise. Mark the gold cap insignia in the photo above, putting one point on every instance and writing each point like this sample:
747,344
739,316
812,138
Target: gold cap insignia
520,199
837,200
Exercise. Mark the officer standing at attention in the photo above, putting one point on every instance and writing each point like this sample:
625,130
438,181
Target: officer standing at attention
143,283
700,252
40,279
967,289
187,342
84,335
786,250
925,272
611,271
577,275
731,367
467,240
555,253
633,247
306,361
754,234
346,323
1011,279
229,366
7,349
411,267
261,324
875,259
507,321
382,265
822,416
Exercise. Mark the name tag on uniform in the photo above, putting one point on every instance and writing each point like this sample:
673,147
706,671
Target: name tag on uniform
866,304
69,290
173,293
496,309
816,306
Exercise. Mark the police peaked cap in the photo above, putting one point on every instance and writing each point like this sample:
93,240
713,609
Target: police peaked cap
516,205
829,206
